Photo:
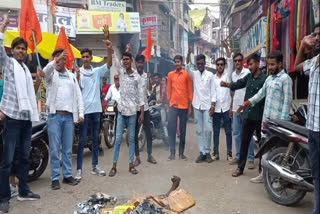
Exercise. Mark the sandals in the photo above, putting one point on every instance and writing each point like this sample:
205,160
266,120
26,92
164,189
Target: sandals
137,162
133,170
113,172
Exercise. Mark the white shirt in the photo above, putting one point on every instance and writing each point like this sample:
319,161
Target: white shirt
64,99
204,93
113,93
238,97
223,94
145,84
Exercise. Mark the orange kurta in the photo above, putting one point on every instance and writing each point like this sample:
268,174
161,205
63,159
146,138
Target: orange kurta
179,89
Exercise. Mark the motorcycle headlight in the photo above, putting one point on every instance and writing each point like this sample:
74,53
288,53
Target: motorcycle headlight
110,108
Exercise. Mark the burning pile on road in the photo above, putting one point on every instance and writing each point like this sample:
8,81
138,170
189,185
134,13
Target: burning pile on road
174,202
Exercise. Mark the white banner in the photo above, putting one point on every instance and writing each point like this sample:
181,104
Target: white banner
107,6
66,17
145,23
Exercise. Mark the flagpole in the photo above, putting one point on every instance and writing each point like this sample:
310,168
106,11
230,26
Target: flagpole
37,53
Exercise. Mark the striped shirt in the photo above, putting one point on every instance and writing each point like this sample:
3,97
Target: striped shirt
278,93
9,104
311,68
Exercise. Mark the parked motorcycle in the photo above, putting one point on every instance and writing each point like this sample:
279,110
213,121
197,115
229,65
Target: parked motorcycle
159,130
285,161
109,123
39,153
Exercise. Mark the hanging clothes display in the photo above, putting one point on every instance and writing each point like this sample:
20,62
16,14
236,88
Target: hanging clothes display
292,41
275,20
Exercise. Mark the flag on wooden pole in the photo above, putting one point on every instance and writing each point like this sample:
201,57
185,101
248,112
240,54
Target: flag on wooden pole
63,43
29,25
148,50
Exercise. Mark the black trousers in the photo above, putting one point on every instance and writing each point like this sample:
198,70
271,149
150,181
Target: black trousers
147,128
248,128
174,113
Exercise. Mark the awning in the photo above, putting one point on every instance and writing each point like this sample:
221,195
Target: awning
46,46
197,16
241,5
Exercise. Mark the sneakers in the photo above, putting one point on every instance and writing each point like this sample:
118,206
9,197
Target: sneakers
4,207
251,165
71,181
171,158
229,158
14,191
29,197
201,158
98,171
78,175
215,157
257,180
208,158
183,157
55,185
234,162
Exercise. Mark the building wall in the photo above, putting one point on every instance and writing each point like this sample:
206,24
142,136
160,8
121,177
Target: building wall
10,4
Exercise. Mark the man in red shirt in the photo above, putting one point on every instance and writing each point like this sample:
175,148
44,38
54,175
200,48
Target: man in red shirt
104,92
180,97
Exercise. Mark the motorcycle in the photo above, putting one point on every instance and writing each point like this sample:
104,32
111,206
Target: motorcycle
39,153
159,130
285,161
109,123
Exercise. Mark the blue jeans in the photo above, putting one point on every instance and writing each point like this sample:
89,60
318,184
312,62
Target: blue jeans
314,152
237,134
174,113
204,130
61,132
16,141
122,122
94,120
216,122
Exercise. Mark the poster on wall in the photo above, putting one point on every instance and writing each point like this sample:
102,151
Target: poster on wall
316,8
93,22
145,23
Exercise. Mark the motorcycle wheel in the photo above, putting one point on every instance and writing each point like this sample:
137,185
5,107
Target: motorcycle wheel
109,137
142,138
278,188
39,156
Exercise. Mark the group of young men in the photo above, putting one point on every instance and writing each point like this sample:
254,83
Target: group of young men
75,98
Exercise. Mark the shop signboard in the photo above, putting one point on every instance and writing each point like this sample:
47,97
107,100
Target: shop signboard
254,37
90,22
108,6
145,23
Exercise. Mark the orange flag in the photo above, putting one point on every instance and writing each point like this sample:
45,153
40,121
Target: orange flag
63,43
53,7
148,50
29,23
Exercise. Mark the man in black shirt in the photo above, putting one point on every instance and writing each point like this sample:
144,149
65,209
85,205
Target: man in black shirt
252,115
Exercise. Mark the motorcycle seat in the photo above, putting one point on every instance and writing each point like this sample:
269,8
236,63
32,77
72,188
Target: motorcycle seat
37,126
292,127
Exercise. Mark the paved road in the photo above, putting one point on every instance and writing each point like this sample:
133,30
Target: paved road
212,186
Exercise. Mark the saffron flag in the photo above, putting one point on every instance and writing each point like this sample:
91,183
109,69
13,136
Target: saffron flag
148,50
53,7
63,43
29,23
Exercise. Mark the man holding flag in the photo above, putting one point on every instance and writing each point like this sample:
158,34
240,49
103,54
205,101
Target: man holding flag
18,108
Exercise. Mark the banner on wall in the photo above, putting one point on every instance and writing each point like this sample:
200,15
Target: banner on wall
13,21
93,22
65,17
145,23
316,8
108,6
254,37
